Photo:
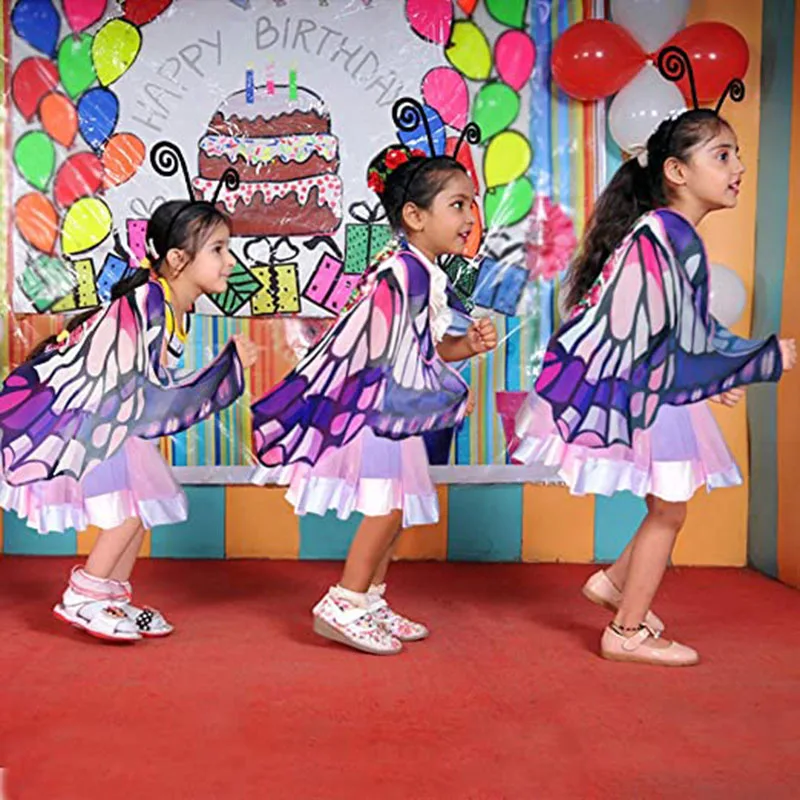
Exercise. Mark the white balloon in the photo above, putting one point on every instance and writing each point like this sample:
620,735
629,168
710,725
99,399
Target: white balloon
639,108
652,22
727,295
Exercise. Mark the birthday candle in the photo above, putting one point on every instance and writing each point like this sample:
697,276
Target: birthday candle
250,85
293,84
271,78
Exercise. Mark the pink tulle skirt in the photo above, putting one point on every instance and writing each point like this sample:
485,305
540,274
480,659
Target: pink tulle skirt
371,475
682,451
134,482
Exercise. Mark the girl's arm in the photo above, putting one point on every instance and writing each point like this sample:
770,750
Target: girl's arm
481,337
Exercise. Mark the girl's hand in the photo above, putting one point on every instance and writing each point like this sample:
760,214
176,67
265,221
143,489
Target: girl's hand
246,350
482,336
470,401
729,398
788,353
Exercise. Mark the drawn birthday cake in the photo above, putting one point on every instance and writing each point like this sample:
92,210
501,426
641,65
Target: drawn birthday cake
287,160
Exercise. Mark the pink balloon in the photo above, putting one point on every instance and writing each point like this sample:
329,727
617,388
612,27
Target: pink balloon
431,19
82,14
445,90
515,55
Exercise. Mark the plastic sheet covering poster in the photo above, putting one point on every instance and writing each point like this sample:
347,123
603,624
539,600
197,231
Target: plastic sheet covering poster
112,107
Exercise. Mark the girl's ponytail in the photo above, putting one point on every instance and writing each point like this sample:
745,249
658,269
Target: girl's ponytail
624,200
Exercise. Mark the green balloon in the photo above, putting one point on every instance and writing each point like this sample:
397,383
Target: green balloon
496,107
508,12
35,158
75,65
507,205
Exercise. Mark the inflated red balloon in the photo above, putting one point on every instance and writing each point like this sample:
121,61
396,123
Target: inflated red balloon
718,53
79,176
140,12
595,58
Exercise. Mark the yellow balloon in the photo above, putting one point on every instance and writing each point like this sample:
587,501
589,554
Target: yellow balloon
114,49
507,158
86,224
469,51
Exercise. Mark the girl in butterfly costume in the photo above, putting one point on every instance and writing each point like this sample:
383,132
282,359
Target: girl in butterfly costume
343,430
619,405
75,418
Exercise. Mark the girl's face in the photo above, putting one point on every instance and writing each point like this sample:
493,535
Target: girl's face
446,225
210,269
713,174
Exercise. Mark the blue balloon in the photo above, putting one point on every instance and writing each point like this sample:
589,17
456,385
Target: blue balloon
38,23
98,112
418,138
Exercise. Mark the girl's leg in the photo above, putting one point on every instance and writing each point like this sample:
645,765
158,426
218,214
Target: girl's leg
618,572
626,638
649,556
110,547
124,566
369,551
344,614
379,576
89,601
150,622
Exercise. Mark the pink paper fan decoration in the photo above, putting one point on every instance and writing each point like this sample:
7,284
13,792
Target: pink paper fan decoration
550,241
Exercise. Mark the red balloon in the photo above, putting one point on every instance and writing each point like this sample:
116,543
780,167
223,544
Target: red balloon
718,53
140,12
79,176
33,79
595,58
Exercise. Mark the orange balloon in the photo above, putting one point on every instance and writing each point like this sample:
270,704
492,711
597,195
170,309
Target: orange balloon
467,6
59,118
123,156
476,234
37,221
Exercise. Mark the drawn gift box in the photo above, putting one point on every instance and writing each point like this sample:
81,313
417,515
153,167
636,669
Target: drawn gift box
365,237
242,286
137,240
277,274
329,286
46,280
501,283
463,277
115,268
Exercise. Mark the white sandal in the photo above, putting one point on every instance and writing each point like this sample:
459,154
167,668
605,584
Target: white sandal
99,618
150,623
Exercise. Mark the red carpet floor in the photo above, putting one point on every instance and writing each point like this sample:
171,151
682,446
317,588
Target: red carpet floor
507,699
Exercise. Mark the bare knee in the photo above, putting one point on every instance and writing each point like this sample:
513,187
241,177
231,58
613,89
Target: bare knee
670,515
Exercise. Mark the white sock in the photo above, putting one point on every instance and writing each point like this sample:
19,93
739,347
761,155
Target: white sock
360,599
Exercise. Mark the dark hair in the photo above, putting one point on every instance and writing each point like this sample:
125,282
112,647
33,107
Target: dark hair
417,180
177,224
635,190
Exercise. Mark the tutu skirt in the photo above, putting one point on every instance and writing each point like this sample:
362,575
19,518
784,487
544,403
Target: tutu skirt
371,474
134,482
681,451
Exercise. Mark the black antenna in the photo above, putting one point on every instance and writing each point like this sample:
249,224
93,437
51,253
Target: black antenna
472,135
230,179
407,115
673,64
167,159
734,90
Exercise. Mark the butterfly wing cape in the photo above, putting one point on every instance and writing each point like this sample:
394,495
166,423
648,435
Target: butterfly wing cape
74,405
644,337
376,367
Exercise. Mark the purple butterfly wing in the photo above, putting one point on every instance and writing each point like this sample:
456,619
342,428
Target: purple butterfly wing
647,341
376,367
71,408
